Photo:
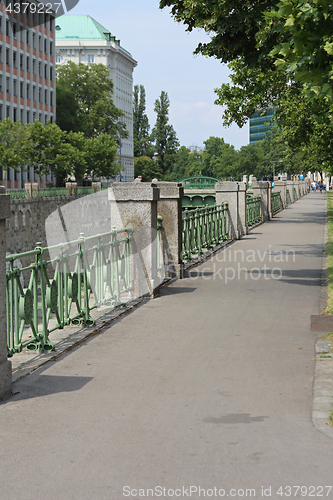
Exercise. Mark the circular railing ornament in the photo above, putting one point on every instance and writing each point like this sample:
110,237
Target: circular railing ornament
73,286
52,296
26,306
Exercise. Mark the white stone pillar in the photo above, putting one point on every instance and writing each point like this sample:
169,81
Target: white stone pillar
228,192
282,187
169,207
135,204
263,189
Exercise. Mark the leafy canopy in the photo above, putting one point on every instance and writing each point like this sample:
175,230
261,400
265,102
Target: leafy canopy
84,100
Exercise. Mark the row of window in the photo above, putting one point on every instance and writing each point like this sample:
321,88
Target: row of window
91,59
26,9
29,37
24,117
25,63
25,91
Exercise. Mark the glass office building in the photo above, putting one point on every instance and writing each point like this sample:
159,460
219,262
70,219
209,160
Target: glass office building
260,124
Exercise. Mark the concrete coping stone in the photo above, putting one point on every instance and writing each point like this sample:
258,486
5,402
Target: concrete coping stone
133,191
170,189
4,205
242,186
260,184
226,186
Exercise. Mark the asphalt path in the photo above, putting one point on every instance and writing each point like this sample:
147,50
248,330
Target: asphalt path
208,386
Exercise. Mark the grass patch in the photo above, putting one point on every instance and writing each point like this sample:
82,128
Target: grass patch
327,336
329,252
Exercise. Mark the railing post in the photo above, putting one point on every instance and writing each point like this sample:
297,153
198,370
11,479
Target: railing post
5,365
282,187
263,189
135,204
227,191
242,227
169,207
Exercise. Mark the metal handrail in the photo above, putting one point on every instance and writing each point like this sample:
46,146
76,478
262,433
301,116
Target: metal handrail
87,273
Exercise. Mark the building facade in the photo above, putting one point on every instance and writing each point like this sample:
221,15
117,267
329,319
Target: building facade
260,124
27,74
81,39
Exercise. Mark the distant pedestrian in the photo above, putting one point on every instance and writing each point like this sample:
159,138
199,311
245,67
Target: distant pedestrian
321,186
313,185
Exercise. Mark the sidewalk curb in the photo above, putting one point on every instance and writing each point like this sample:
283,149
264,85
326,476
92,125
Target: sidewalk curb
322,403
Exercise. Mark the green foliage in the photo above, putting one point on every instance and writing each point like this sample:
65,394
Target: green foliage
141,136
100,155
164,135
86,93
306,41
232,26
14,145
147,168
218,158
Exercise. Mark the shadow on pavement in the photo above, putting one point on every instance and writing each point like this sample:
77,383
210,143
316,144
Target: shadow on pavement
36,386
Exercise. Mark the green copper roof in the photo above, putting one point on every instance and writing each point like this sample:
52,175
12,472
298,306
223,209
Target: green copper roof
70,27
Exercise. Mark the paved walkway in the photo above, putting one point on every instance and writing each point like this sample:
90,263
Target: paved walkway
208,386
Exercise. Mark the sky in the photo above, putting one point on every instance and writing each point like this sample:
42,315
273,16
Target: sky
164,53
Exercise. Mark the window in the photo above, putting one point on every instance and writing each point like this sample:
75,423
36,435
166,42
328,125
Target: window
28,64
7,85
14,30
45,71
40,46
28,91
34,40
51,98
51,48
91,59
51,73
45,97
59,59
7,57
0,32
45,45
21,114
33,93
27,36
45,119
33,119
34,66
15,87
8,112
14,60
21,61
39,69
0,87
7,27
21,89
28,116
40,94
14,116
0,51
51,118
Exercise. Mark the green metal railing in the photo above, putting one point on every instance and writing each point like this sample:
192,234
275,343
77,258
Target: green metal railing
203,229
198,182
85,190
288,201
48,192
16,194
86,273
253,213
276,206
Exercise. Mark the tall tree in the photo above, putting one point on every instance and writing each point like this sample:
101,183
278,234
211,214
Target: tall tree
86,92
14,145
164,135
141,135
